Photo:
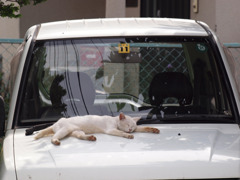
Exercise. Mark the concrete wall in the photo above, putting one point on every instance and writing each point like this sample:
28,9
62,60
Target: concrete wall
227,21
206,12
9,27
115,8
55,10
222,16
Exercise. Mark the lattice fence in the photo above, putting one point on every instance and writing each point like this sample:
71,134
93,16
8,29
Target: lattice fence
8,48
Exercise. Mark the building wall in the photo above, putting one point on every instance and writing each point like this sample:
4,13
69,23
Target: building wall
222,16
115,8
9,27
206,12
227,21
118,9
56,10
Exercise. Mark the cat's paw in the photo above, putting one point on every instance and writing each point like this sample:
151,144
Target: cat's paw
152,130
155,130
56,142
129,136
91,138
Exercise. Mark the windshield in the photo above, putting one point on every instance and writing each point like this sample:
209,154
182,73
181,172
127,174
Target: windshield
152,77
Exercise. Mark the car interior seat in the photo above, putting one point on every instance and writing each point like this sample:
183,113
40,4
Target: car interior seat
170,85
171,90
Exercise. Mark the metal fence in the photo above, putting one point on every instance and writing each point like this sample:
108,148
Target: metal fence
8,48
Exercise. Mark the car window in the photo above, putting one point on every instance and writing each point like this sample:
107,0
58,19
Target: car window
155,77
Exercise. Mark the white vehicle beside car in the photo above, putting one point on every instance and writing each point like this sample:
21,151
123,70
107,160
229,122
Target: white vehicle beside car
173,73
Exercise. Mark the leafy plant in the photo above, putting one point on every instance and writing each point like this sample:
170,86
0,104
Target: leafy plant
10,8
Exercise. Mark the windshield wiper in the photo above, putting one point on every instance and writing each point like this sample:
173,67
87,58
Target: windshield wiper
32,129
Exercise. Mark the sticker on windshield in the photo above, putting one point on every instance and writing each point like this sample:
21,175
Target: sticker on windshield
123,48
201,47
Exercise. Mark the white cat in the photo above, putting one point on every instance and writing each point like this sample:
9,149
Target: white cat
79,126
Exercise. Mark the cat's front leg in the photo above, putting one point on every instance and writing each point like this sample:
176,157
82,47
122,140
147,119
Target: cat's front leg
116,132
147,129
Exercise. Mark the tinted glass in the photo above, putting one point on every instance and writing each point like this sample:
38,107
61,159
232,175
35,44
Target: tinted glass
152,77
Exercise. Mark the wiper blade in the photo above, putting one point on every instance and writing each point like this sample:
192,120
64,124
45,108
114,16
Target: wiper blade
31,130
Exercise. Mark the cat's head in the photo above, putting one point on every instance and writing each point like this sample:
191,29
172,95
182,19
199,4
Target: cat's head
127,123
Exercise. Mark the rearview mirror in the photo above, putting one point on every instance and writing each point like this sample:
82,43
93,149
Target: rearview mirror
2,117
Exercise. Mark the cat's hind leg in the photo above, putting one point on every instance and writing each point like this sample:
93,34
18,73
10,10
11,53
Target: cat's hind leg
60,134
81,135
44,132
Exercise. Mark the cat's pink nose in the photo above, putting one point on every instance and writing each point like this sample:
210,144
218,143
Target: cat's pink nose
130,130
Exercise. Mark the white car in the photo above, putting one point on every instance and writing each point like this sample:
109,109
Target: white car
171,72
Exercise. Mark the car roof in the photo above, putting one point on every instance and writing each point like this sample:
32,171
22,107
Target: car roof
108,27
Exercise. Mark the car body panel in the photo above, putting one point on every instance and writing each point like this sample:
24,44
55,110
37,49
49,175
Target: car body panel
179,152
7,162
120,27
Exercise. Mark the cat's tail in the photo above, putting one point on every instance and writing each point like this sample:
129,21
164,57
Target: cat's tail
44,132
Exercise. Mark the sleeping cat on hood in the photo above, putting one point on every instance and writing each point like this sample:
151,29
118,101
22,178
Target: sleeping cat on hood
80,126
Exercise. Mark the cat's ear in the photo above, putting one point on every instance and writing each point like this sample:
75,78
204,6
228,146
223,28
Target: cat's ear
122,116
136,119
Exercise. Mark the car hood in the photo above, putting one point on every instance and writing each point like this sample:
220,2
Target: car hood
179,151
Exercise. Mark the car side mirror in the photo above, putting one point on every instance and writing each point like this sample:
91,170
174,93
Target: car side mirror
2,117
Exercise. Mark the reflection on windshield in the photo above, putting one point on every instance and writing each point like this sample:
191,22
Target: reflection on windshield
105,76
